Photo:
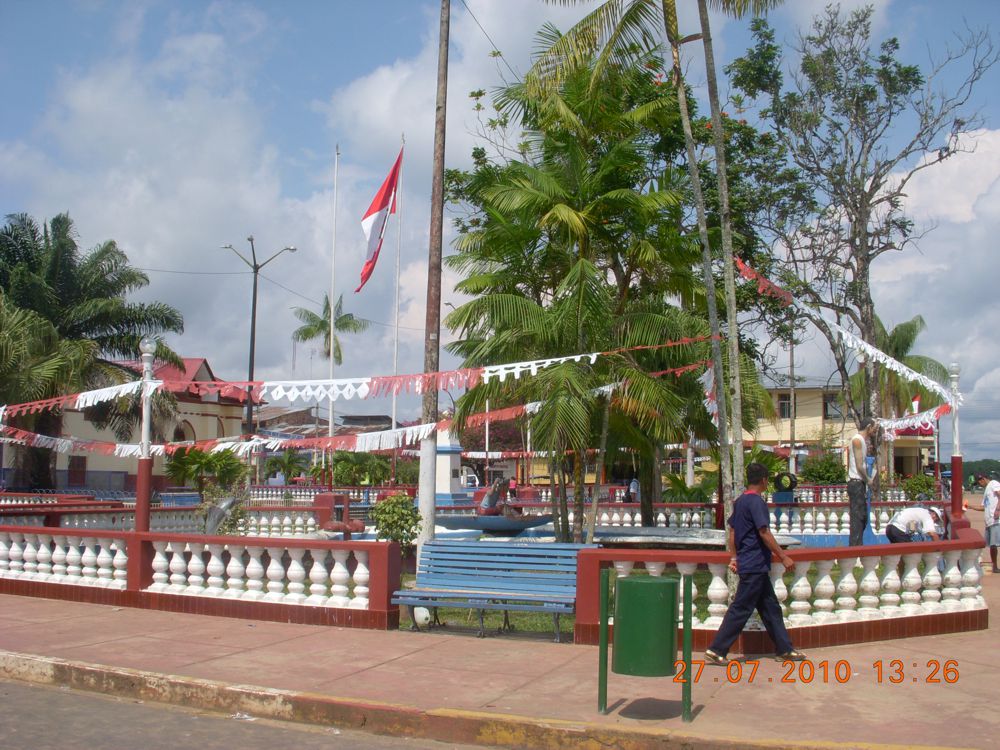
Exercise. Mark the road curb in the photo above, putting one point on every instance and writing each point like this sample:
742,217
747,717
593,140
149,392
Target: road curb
445,725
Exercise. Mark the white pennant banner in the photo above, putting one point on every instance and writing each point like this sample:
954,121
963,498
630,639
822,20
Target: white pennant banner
516,369
317,390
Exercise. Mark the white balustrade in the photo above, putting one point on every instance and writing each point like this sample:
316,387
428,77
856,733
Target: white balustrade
105,563
800,592
971,598
951,592
911,584
361,579
235,570
824,591
931,594
889,599
847,589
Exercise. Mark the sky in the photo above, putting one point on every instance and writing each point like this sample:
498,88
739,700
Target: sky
178,127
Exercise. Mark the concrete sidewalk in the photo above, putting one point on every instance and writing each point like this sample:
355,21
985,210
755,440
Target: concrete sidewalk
509,690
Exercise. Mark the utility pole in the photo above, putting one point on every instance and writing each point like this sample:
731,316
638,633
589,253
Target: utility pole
432,327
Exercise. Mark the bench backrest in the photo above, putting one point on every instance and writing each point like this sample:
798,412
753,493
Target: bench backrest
537,568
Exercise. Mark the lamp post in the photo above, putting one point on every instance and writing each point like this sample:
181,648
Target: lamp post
144,474
956,447
255,267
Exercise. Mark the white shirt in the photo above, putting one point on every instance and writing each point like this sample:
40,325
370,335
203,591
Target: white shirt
914,519
991,496
853,470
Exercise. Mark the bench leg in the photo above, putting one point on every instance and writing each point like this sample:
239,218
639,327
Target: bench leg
506,627
482,627
436,620
413,618
555,622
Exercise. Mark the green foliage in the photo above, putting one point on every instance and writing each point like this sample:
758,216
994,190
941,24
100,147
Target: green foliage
823,467
919,484
317,326
397,519
290,463
771,460
237,516
222,469
677,490
407,471
355,469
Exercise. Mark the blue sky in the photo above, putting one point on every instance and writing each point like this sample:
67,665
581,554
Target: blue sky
177,127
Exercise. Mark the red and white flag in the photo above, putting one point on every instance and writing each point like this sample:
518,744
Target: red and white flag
377,216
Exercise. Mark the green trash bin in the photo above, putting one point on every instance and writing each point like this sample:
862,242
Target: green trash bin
645,634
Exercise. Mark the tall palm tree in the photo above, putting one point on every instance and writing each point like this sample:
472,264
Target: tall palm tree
316,326
84,296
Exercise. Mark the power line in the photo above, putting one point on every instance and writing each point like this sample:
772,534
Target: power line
492,43
195,273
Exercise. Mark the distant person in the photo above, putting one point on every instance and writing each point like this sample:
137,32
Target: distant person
859,480
752,545
991,514
633,490
915,525
512,489
492,503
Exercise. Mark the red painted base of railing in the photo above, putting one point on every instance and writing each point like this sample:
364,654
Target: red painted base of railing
195,605
835,634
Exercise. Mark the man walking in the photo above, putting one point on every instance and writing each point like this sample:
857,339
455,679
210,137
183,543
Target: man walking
859,480
751,545
991,514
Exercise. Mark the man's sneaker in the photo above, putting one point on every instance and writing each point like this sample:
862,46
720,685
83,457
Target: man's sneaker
713,658
792,655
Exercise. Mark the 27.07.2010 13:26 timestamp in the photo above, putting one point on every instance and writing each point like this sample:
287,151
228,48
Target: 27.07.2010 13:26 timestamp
889,672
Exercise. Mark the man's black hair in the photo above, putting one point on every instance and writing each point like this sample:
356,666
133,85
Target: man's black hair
865,424
756,473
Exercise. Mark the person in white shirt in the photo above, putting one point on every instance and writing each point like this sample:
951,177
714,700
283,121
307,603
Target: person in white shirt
909,524
991,514
859,480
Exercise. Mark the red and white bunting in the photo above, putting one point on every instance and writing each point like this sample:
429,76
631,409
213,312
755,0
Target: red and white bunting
924,420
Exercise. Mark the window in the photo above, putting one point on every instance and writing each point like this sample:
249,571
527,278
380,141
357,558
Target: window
832,408
785,405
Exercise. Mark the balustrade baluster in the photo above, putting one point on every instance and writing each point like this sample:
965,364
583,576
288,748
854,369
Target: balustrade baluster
178,569
88,561
688,569
785,520
319,578
931,595
847,590
361,578
845,522
661,519
235,584
821,522
119,563
296,576
718,595
215,570
616,519
673,519
73,556
780,590
58,559
300,526
808,522
824,591
196,570
105,563
287,527
911,583
952,582
655,568
29,557
160,565
890,587
623,568
883,520
340,577
255,574
971,598
275,575
800,593
4,554
310,526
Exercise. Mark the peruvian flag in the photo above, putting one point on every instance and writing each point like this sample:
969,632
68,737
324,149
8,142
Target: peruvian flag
375,218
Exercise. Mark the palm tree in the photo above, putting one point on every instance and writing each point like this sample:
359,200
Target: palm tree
316,326
290,463
223,468
84,297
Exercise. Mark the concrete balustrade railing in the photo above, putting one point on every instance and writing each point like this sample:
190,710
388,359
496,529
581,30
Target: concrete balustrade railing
279,522
828,588
307,580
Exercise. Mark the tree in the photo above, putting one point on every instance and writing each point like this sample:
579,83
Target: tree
84,296
290,463
223,469
858,124
315,326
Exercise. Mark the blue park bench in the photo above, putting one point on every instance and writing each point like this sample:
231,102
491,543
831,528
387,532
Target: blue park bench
535,577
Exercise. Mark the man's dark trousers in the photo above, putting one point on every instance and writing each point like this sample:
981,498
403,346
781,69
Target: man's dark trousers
857,496
754,592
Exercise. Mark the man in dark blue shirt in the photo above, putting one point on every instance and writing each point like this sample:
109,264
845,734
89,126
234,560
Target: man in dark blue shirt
751,545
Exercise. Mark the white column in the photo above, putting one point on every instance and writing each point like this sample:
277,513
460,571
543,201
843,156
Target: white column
718,595
951,592
931,594
235,585
800,593
296,576
275,576
160,567
890,587
847,590
255,575
911,584
361,578
823,602
215,570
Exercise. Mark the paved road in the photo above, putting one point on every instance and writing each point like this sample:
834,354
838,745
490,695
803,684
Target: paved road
49,718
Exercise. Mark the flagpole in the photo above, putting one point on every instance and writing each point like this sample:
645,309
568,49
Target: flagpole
333,279
399,240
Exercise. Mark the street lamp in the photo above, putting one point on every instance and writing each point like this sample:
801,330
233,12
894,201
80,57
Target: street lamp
255,267
144,474
956,447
